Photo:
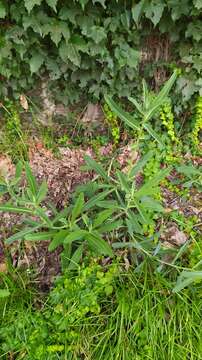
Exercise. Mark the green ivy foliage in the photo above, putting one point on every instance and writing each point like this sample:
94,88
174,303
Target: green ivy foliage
90,47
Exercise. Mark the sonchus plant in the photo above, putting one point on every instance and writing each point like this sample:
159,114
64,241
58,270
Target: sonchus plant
149,107
135,208
112,211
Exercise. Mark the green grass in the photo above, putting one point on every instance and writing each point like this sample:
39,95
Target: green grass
104,314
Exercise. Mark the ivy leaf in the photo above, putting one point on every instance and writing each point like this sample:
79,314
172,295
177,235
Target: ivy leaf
133,58
36,61
69,14
126,55
102,2
29,4
137,10
198,4
2,10
69,52
79,42
52,4
179,8
83,3
154,11
194,30
53,68
57,29
97,33
187,87
199,84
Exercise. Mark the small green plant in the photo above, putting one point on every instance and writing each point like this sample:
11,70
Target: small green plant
112,122
167,117
96,142
195,253
137,207
101,212
198,122
14,141
64,228
193,174
149,107
63,140
103,312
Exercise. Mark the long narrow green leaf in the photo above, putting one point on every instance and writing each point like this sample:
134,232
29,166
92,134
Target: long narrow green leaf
160,98
98,245
15,209
186,278
151,204
77,209
18,173
74,236
58,239
40,236
62,216
18,170
133,223
189,170
76,258
31,180
141,163
123,115
110,226
146,97
151,186
42,214
153,133
96,167
93,201
41,195
21,234
108,204
166,89
142,212
123,181
102,216
137,105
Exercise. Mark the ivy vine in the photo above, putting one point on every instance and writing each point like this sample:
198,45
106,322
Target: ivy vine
90,47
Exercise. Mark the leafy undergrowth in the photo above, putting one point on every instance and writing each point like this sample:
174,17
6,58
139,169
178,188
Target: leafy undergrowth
103,312
115,216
